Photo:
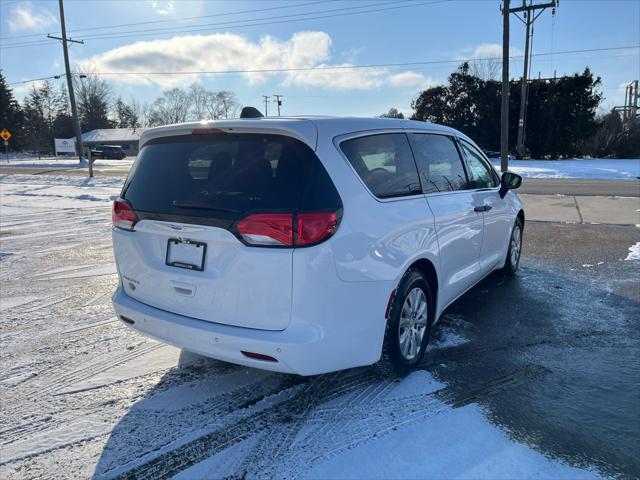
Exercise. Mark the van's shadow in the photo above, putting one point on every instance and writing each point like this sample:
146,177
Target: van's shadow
551,360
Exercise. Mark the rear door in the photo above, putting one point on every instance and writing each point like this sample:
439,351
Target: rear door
498,216
189,194
459,227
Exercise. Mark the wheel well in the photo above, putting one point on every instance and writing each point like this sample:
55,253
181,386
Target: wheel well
521,216
429,271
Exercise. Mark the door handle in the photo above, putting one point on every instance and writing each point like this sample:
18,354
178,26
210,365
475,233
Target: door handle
482,208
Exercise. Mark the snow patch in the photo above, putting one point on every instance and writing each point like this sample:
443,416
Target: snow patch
634,252
458,443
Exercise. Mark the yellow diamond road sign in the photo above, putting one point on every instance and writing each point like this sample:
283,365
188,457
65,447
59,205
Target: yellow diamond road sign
5,134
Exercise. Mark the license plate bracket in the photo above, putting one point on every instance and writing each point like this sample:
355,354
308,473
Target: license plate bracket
187,254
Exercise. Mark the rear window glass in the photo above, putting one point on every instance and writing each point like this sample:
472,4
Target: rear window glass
228,175
384,163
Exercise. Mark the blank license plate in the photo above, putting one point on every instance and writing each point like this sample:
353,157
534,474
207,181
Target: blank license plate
186,254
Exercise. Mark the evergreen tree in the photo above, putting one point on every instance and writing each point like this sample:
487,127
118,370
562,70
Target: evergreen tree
561,113
43,107
11,116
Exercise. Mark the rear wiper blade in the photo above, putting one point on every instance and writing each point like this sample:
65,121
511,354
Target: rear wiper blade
200,206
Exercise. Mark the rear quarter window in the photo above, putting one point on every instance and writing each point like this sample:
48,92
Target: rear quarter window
385,164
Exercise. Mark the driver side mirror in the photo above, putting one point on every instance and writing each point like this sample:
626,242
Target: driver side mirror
509,181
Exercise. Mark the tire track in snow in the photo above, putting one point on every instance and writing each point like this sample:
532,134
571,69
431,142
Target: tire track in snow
317,390
216,406
370,419
278,438
385,416
54,383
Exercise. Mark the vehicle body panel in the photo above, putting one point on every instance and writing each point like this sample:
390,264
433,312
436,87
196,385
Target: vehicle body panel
231,290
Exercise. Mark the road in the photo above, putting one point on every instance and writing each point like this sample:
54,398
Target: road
605,188
536,186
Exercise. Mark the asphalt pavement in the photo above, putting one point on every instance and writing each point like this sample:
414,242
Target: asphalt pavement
564,186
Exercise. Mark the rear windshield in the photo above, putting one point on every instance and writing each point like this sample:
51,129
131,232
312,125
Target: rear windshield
228,175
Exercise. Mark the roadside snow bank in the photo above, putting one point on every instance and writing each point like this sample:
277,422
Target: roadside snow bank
593,169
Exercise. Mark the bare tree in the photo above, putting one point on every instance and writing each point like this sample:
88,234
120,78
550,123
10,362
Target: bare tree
172,107
486,68
213,106
199,98
94,97
229,104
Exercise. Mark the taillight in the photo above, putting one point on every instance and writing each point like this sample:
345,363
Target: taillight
288,229
274,229
123,215
315,227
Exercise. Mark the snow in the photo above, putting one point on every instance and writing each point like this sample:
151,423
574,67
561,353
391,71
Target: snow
458,444
85,396
60,162
634,252
594,169
26,193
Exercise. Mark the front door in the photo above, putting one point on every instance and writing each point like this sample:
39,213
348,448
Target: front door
498,217
458,226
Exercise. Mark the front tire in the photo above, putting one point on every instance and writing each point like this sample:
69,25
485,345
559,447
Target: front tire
410,318
515,249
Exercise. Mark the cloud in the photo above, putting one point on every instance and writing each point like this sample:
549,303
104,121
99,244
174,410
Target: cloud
305,55
163,7
23,18
411,79
23,89
486,50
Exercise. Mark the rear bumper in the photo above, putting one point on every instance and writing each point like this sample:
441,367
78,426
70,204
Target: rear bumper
303,348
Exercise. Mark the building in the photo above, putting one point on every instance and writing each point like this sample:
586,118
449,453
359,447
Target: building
127,138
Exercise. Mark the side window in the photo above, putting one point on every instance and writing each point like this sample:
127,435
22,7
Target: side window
481,175
384,163
439,163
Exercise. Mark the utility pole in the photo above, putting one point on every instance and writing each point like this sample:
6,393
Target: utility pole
629,110
278,102
528,11
504,108
72,97
266,105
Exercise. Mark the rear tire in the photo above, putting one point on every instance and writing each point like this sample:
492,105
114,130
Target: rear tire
407,332
515,249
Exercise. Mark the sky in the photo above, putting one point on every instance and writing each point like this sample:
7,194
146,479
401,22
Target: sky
412,45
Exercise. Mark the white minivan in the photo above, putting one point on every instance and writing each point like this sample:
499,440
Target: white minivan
308,244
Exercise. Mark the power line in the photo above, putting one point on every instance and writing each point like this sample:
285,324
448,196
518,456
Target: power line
228,25
172,20
243,23
37,79
347,67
